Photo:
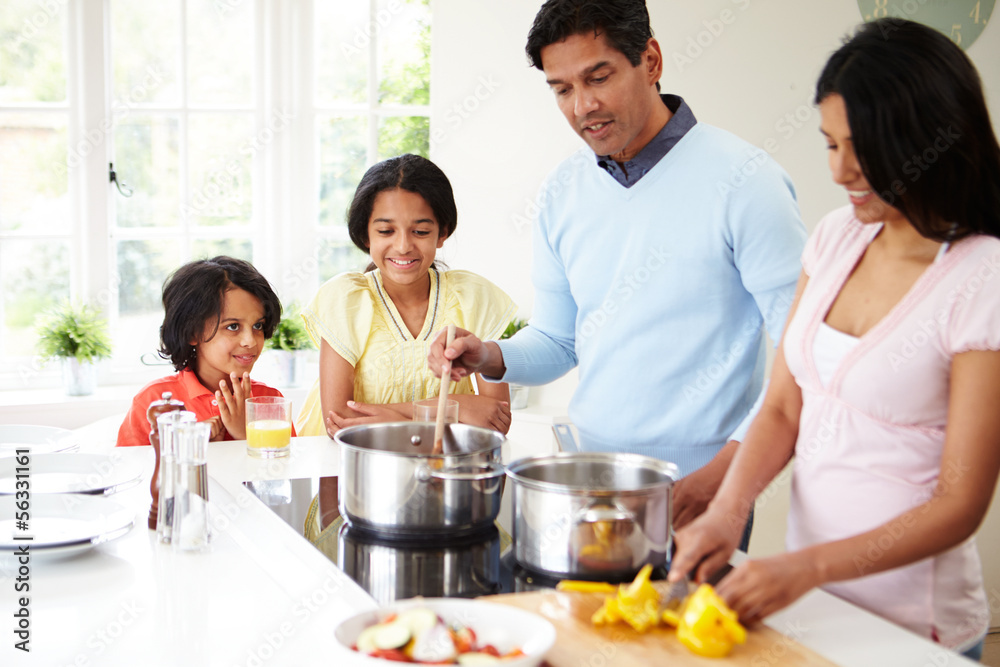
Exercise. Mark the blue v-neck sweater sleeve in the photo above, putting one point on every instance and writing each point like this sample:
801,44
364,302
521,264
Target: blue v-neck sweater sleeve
658,292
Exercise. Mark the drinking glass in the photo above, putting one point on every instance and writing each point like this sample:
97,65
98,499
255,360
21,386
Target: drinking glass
269,426
427,410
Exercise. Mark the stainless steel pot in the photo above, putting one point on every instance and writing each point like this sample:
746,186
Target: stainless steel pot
390,482
591,515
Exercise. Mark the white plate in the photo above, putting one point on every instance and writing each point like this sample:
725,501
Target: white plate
503,626
36,439
63,523
71,473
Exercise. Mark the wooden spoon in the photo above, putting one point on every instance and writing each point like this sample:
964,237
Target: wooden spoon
443,397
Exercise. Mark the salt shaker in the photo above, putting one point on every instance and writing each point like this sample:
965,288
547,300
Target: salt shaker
190,529
167,423
157,408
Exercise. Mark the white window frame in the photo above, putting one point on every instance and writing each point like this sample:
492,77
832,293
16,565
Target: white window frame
285,227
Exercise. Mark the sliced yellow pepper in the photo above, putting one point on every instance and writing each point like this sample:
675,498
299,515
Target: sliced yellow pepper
585,586
707,626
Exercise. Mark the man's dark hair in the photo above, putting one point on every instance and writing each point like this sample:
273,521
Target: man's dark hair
193,295
624,23
919,123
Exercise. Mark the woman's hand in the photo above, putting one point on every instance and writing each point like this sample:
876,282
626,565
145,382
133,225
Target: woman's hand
364,413
756,589
232,405
706,544
484,411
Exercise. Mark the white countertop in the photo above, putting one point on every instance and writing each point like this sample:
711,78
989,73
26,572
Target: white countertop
264,596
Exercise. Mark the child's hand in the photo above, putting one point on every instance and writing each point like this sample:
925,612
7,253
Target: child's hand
484,411
218,431
232,406
366,413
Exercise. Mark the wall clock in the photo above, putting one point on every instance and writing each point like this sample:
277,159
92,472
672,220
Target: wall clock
962,20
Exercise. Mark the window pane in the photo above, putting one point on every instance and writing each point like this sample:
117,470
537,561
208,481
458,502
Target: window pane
208,248
34,275
220,52
33,185
221,147
146,159
342,156
403,134
143,266
342,39
404,52
334,256
145,51
32,50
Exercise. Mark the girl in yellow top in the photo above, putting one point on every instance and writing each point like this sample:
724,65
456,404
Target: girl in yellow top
374,329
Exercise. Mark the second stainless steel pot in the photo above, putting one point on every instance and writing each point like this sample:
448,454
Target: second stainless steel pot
391,483
591,515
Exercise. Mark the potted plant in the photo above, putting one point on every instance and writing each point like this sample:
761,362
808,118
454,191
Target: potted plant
289,339
518,392
78,336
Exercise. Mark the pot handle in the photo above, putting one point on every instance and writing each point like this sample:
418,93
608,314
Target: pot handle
595,513
490,470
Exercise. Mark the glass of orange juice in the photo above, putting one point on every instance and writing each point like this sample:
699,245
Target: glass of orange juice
269,426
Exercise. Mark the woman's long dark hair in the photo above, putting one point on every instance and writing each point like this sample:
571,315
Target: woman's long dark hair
920,126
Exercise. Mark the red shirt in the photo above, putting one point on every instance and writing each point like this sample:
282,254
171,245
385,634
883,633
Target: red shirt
185,387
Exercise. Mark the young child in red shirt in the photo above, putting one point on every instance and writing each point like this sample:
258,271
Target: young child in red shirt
217,314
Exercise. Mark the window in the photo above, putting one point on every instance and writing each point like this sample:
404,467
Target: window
236,127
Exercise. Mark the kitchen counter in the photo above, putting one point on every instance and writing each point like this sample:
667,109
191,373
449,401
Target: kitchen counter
264,596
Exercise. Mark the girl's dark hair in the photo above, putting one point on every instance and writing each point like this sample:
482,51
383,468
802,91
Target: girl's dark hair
920,126
406,172
624,23
193,295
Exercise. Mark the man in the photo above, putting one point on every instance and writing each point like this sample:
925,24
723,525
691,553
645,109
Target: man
659,251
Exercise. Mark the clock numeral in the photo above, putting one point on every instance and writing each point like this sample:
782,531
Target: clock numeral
956,33
974,14
881,6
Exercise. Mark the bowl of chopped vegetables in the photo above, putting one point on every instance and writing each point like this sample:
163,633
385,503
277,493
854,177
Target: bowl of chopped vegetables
447,631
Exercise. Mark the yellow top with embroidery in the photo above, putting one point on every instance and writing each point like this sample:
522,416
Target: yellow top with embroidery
353,313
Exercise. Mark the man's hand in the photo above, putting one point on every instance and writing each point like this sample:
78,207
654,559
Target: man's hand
232,405
467,354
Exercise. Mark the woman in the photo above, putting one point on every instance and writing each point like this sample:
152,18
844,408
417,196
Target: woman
885,385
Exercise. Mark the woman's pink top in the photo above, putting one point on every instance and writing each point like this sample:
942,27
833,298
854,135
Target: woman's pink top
870,440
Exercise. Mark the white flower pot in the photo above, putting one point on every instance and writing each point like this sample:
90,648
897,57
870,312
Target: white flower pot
287,363
79,377
518,396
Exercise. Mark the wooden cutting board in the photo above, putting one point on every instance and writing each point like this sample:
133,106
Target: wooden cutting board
579,643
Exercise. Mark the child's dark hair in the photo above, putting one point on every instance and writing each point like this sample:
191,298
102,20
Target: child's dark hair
407,172
193,294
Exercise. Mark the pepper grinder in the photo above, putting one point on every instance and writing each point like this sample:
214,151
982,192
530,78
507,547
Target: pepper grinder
157,408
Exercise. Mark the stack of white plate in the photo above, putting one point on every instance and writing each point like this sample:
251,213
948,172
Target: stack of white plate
36,439
55,503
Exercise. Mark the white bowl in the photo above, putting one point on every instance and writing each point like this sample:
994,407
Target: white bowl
36,439
503,626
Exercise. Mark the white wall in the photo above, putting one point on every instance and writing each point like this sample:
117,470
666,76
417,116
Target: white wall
754,77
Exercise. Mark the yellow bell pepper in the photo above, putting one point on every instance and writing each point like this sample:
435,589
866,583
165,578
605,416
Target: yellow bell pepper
585,586
707,626
637,603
